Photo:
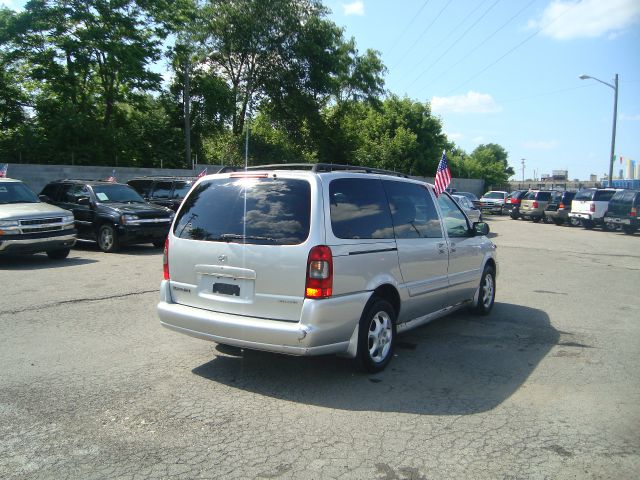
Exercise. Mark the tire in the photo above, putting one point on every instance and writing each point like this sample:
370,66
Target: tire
629,229
607,228
159,243
514,216
558,221
59,254
376,336
486,292
588,224
574,222
108,239
536,219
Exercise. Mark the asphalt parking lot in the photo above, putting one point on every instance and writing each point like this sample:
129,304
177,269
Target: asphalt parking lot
547,386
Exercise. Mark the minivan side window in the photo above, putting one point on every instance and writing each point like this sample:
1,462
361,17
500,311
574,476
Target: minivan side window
454,220
359,209
413,211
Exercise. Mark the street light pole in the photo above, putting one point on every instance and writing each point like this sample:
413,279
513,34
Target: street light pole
615,117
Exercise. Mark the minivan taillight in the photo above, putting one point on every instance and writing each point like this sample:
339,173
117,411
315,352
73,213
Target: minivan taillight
561,206
592,207
534,204
634,212
165,260
319,282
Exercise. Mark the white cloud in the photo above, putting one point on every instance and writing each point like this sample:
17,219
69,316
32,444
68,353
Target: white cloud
568,19
541,144
353,8
479,139
472,102
633,118
454,136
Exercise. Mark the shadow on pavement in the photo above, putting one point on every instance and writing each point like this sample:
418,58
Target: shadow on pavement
458,365
40,261
137,249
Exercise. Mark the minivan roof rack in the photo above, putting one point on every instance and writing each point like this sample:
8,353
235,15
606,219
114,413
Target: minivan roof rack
325,167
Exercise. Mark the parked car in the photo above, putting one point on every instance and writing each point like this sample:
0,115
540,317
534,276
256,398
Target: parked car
559,207
474,214
589,205
28,225
331,260
493,201
623,211
110,213
166,191
512,203
471,196
533,204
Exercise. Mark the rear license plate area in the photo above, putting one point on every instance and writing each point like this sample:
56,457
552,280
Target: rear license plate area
226,289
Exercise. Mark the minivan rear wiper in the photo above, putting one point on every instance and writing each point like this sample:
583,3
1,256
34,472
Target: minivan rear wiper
228,237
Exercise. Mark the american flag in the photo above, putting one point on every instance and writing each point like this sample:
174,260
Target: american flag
112,178
3,170
203,172
443,175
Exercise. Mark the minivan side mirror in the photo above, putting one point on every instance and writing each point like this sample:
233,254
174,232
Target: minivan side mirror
84,201
480,228
44,198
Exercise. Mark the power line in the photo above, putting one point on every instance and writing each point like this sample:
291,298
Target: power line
488,38
512,49
406,29
455,42
422,34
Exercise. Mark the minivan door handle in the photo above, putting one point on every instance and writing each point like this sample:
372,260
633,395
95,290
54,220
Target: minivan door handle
453,247
441,248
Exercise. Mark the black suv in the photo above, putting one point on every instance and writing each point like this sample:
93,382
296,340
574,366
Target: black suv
110,213
166,191
623,211
559,207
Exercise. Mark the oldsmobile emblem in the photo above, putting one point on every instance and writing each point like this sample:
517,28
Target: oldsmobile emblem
222,258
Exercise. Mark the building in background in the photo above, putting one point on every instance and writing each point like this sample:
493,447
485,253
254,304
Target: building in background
630,173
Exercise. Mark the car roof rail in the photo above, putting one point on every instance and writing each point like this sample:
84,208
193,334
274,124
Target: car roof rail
326,167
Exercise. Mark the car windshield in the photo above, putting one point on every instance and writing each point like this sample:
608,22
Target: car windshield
16,192
469,195
116,193
494,195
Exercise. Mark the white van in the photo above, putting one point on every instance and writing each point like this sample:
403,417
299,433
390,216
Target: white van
320,259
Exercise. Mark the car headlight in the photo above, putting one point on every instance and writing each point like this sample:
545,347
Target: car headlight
68,219
129,219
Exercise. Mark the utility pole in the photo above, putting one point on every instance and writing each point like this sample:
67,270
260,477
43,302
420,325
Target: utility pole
523,170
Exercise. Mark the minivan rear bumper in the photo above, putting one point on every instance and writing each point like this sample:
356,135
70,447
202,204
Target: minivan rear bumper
326,326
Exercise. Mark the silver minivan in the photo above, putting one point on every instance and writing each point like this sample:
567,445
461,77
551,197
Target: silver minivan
320,259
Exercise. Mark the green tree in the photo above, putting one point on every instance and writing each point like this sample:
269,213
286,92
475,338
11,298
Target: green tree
490,162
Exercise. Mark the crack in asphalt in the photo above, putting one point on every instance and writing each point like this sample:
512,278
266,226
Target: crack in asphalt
75,301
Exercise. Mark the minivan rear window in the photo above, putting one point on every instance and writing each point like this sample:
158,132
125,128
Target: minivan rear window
265,211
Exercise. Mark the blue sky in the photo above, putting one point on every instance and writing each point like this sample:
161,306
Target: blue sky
506,72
